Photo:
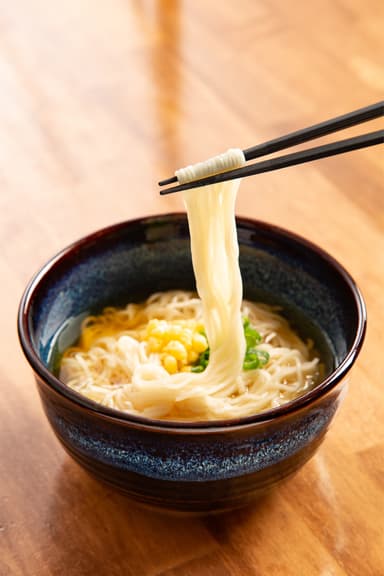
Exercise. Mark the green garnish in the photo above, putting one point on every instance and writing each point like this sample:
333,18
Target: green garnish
252,337
253,358
202,362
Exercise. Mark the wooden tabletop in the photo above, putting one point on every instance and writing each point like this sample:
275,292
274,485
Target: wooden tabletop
98,101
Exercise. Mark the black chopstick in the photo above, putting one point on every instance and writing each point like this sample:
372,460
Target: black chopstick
316,131
301,157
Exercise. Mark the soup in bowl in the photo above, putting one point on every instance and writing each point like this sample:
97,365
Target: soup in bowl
199,465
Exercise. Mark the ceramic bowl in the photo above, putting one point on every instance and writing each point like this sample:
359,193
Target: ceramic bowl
195,467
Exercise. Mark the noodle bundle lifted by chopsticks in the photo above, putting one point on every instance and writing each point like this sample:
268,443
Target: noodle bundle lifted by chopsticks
180,357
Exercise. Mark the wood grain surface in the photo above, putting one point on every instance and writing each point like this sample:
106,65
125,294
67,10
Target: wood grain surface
98,101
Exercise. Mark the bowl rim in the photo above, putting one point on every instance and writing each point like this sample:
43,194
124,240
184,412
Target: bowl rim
289,408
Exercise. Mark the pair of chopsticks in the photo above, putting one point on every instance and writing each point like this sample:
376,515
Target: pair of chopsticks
293,139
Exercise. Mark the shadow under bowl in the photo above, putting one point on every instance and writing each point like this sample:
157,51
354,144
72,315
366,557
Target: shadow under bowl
199,466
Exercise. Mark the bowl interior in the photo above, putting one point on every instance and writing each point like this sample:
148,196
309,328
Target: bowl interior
129,261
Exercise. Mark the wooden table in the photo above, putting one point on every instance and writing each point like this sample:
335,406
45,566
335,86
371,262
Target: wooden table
100,99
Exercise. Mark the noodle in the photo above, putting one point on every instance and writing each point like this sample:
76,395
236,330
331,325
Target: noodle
139,359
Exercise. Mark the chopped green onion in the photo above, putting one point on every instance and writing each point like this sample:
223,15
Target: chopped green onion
253,359
197,368
252,337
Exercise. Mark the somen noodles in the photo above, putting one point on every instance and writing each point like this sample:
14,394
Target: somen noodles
179,356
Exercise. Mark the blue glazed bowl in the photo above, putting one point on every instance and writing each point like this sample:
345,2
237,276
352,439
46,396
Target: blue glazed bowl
203,466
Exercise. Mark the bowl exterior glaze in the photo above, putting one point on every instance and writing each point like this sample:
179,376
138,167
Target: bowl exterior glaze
194,467
195,470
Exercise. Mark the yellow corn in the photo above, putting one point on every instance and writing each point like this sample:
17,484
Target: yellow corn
157,328
199,343
174,331
192,356
186,338
154,344
176,349
170,364
178,342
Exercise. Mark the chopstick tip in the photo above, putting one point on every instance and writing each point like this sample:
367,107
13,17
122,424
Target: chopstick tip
167,181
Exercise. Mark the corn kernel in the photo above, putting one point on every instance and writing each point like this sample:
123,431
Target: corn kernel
170,364
192,356
151,325
174,331
176,349
154,344
199,343
157,328
186,338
